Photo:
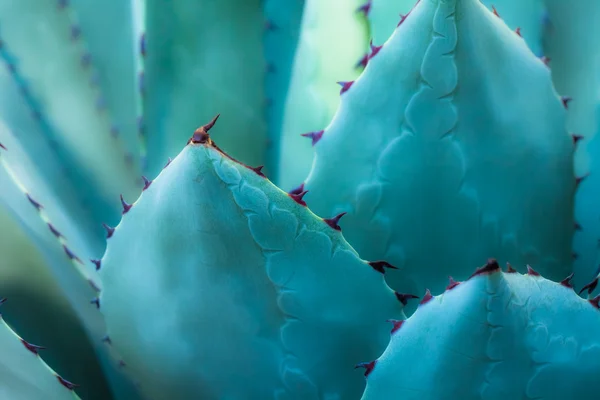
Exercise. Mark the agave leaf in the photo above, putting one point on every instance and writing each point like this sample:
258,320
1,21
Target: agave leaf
327,52
441,157
496,336
384,16
65,94
24,375
112,38
37,306
29,139
215,274
281,39
528,17
66,251
570,43
204,57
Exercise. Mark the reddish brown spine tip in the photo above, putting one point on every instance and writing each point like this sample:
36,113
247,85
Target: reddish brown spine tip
590,287
495,11
402,19
577,226
32,347
2,300
567,281
54,231
71,255
345,86
427,298
298,197
374,49
452,283
380,266
565,101
298,189
97,263
109,231
147,183
576,138
518,31
333,222
95,301
531,271
66,383
126,206
362,63
595,301
106,339
510,269
258,170
3,147
397,324
489,268
315,136
368,366
33,202
201,135
403,297
122,363
168,163
545,60
365,8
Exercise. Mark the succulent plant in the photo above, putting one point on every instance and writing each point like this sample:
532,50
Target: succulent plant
499,335
141,260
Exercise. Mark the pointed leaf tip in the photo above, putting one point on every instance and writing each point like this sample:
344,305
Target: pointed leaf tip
345,86
147,183
452,283
531,271
66,383
96,302
314,136
565,101
403,297
297,197
201,135
427,298
368,366
365,8
126,206
567,281
374,49
380,266
333,222
490,267
595,301
364,60
97,263
32,347
397,324
298,189
590,287
109,231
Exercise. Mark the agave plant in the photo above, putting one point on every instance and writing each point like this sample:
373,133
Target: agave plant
192,208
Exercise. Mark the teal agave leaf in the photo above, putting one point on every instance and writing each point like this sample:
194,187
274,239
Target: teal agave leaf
503,335
142,261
